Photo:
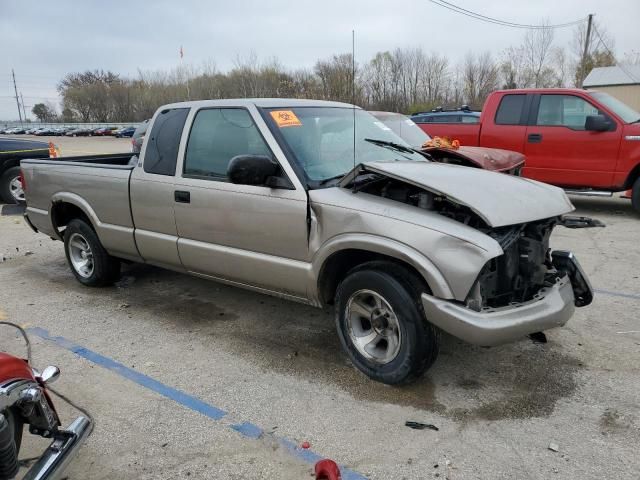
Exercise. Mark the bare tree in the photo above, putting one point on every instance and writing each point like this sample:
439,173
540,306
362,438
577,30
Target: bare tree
599,54
560,67
336,77
480,78
631,57
536,49
513,68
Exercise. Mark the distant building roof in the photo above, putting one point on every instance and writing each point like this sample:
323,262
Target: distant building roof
603,76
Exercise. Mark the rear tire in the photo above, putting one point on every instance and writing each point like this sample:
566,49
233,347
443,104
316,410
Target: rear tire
635,196
87,258
381,323
9,190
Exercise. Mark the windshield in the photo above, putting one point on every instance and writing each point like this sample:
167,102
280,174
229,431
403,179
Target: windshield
404,127
624,111
321,138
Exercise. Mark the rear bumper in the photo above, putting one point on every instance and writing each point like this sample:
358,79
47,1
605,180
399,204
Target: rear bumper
66,443
550,308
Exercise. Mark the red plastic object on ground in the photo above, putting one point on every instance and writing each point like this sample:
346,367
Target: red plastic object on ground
327,470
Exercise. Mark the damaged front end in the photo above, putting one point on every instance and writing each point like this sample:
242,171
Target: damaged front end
528,287
526,267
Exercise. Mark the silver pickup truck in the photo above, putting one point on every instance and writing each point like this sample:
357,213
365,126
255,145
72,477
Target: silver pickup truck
283,197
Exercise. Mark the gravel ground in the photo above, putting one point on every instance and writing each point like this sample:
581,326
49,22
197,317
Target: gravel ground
278,365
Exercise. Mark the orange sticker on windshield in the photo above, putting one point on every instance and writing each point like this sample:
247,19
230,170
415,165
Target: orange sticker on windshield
285,118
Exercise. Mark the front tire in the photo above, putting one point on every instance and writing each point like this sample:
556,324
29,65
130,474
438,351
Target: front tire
11,190
87,258
381,323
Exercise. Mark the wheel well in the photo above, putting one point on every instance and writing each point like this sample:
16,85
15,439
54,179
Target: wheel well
7,164
62,213
633,176
337,266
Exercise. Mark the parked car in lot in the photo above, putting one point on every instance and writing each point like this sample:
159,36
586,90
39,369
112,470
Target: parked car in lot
493,159
270,194
105,131
464,114
79,132
45,131
584,141
442,118
124,132
16,131
11,152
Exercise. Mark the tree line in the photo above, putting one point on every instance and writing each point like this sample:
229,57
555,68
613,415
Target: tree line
403,80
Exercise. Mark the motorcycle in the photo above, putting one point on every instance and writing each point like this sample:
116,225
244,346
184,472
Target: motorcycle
25,400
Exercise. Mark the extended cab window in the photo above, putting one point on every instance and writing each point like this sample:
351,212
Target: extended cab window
564,110
446,119
218,135
470,119
510,109
162,143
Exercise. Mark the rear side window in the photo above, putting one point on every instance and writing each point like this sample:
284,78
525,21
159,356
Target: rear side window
446,119
470,119
163,142
218,135
510,110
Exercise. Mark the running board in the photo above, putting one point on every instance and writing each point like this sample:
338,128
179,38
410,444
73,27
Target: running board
590,193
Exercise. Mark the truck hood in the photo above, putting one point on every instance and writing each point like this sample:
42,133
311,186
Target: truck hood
498,199
494,159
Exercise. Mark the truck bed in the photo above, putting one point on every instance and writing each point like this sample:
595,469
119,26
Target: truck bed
97,184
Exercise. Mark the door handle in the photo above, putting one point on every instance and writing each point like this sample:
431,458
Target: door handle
182,196
534,138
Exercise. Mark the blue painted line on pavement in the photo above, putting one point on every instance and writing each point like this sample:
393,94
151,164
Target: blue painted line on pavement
246,429
617,294
136,377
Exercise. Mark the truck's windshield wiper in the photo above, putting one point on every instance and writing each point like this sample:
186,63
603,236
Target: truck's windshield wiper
330,179
394,146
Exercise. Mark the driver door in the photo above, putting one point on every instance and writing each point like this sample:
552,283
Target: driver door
251,235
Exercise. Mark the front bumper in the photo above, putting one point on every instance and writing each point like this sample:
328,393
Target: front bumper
551,307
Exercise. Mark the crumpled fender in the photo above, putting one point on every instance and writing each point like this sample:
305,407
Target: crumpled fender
494,159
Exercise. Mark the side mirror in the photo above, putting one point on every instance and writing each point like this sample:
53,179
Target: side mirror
50,374
597,123
251,169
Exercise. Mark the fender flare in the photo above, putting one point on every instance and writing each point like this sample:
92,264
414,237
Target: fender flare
78,201
361,241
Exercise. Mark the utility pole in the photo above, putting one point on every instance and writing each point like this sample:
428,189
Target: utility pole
16,90
586,49
23,110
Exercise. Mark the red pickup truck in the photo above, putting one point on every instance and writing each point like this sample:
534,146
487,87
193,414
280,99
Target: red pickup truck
585,141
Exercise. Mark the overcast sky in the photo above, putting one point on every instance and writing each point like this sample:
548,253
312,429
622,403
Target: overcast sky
43,41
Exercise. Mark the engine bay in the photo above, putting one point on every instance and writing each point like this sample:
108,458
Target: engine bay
516,276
